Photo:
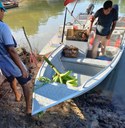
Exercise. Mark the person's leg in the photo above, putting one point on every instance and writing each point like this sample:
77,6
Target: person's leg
95,46
26,84
103,41
8,71
28,95
13,85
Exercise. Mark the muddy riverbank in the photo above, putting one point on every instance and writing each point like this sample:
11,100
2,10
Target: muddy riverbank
91,110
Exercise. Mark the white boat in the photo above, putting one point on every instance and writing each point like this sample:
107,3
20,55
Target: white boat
10,4
89,72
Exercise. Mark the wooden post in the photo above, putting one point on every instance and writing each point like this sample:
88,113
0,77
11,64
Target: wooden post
64,26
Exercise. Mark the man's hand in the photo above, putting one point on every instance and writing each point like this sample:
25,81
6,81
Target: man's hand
15,57
108,36
112,29
25,74
92,18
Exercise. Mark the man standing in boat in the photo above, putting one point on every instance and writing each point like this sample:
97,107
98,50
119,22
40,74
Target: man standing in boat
10,63
106,22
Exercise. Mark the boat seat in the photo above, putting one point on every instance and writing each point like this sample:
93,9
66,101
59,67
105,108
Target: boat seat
87,61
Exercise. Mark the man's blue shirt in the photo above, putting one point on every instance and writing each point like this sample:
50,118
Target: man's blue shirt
7,65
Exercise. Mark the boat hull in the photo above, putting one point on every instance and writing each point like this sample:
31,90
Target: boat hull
9,5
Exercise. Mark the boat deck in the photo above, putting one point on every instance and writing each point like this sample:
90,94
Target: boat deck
54,93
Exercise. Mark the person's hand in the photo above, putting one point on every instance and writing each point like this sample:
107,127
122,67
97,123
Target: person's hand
108,36
89,31
25,74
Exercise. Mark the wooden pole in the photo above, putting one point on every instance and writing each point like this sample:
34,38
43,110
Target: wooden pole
64,25
32,55
27,40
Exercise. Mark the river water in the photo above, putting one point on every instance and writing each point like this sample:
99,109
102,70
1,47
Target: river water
41,21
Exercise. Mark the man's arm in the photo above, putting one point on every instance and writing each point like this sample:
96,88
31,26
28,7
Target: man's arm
15,57
112,29
91,23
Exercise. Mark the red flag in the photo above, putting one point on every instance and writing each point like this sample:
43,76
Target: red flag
68,1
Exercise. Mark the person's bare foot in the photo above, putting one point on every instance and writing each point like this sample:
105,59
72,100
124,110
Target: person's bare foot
18,97
28,111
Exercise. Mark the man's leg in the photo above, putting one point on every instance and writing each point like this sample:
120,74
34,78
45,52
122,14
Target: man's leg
13,85
95,46
28,95
104,41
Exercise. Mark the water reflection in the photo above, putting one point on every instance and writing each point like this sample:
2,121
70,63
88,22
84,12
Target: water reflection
39,20
33,14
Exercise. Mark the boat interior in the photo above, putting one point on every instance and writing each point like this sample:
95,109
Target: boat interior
88,71
83,66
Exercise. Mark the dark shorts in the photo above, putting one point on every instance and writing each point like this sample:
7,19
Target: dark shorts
20,79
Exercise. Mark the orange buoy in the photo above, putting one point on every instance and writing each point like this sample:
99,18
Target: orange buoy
117,43
91,41
108,42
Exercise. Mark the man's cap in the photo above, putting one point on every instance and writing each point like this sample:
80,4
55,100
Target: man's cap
2,7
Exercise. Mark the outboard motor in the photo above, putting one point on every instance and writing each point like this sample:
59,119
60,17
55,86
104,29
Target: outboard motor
115,6
90,8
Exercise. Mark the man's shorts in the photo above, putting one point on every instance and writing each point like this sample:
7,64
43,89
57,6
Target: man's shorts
21,80
10,70
100,39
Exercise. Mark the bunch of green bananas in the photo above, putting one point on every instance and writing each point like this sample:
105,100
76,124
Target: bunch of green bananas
72,82
63,78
